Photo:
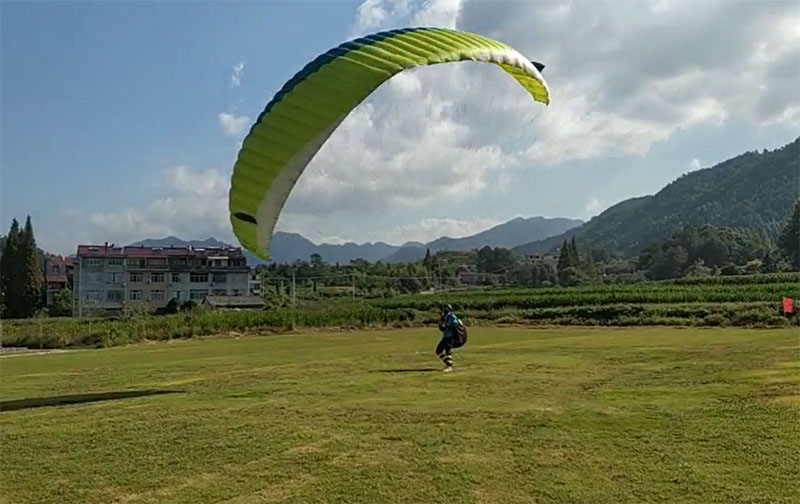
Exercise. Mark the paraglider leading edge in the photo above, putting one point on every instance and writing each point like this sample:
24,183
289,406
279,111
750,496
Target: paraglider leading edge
309,107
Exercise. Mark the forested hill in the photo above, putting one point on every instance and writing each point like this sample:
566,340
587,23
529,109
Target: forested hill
753,191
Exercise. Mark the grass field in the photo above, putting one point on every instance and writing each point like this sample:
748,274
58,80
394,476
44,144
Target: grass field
568,415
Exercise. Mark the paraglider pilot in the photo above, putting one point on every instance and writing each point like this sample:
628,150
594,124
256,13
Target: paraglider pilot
454,335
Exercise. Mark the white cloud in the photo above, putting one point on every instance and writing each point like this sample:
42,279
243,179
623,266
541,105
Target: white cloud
236,76
438,13
593,207
334,229
433,138
374,14
694,164
437,140
627,75
196,208
429,229
399,152
232,125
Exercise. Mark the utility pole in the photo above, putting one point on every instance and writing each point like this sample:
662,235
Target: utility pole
353,282
294,291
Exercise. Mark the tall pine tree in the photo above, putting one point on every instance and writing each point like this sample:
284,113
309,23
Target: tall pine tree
588,265
9,272
31,272
563,257
789,241
574,257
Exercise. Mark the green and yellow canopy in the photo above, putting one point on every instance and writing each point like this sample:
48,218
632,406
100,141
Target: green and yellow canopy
306,111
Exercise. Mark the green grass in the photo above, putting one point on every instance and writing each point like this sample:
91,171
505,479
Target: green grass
566,415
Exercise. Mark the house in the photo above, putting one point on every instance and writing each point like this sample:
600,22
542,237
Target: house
109,278
255,282
468,277
537,258
234,303
57,274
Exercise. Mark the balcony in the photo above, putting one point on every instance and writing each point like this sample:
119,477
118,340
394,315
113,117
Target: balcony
145,265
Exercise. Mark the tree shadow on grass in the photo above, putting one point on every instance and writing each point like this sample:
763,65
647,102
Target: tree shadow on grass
38,402
407,370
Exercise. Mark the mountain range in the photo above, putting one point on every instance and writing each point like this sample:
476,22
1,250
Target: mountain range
289,247
754,191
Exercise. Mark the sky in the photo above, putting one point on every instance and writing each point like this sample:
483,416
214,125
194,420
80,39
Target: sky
121,121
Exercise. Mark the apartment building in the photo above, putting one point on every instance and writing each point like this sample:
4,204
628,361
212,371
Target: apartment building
57,274
255,281
109,278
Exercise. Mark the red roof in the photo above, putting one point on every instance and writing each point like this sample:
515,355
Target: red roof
58,260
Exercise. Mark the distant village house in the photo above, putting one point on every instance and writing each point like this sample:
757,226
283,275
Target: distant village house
108,278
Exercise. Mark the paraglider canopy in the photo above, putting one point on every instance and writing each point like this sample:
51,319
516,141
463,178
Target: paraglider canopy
310,106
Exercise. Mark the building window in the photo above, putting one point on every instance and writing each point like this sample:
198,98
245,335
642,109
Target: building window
178,261
94,277
218,263
176,295
157,277
114,295
176,278
93,295
197,294
116,261
157,295
135,295
198,277
137,263
135,277
114,277
219,292
94,262
220,278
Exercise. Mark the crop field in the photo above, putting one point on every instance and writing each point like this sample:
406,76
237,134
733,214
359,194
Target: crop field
743,301
753,289
544,415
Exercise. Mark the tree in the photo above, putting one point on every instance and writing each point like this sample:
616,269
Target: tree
713,251
575,259
31,273
589,266
544,274
789,240
563,256
316,261
486,260
600,255
698,269
62,303
670,264
568,261
769,264
571,276
10,272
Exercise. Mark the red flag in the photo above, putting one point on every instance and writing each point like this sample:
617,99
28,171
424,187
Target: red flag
788,307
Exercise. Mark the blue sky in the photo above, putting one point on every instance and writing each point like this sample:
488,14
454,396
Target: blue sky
99,98
120,120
